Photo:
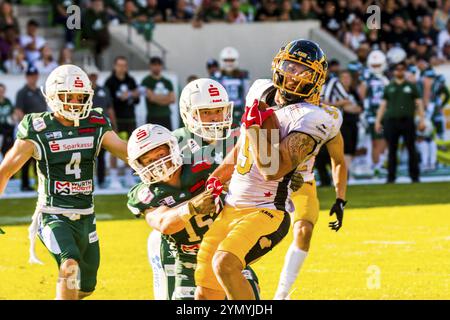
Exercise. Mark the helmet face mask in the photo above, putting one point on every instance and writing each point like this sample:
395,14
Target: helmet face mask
68,92
160,169
297,73
74,110
154,153
196,99
211,130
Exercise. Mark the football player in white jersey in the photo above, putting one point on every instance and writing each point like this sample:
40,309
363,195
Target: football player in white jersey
255,216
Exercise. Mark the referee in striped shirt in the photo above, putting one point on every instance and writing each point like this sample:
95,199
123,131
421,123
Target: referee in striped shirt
333,93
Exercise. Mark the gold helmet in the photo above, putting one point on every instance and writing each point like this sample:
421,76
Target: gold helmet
299,71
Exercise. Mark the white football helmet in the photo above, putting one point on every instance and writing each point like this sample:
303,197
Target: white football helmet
203,94
376,62
65,80
229,59
396,55
146,138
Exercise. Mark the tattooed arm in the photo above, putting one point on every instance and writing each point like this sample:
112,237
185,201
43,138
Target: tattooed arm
275,160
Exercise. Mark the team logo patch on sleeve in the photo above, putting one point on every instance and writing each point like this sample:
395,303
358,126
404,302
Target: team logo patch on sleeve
39,124
145,196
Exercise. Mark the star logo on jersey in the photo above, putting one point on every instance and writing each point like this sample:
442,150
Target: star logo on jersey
268,194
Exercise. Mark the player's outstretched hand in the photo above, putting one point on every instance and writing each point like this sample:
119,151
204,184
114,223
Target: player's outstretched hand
253,116
1,231
338,209
202,204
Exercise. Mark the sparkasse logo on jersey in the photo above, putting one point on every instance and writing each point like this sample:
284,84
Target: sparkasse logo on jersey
70,188
72,144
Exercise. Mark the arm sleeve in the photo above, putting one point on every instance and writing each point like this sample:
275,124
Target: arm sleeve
23,129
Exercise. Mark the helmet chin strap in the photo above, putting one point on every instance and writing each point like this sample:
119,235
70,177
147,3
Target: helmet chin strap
290,98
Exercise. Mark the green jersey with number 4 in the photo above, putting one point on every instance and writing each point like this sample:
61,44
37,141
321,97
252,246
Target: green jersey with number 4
65,159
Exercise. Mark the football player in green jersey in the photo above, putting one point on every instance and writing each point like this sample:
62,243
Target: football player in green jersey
173,200
206,111
65,143
371,91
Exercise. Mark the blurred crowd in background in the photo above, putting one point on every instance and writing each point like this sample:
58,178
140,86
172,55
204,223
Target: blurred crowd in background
414,34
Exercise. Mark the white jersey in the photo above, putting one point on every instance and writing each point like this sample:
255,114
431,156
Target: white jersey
248,187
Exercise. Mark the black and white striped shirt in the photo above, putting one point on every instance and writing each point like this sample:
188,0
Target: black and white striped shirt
333,91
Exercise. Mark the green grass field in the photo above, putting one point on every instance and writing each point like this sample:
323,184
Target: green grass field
395,244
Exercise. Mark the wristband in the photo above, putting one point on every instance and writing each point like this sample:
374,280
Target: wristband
341,202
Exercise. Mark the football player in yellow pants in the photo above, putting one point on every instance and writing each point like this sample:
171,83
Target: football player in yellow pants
255,217
307,212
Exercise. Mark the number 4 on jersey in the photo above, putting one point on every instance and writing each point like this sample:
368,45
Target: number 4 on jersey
73,167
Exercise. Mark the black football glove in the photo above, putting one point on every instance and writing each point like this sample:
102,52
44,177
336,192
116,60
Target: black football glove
1,231
338,208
